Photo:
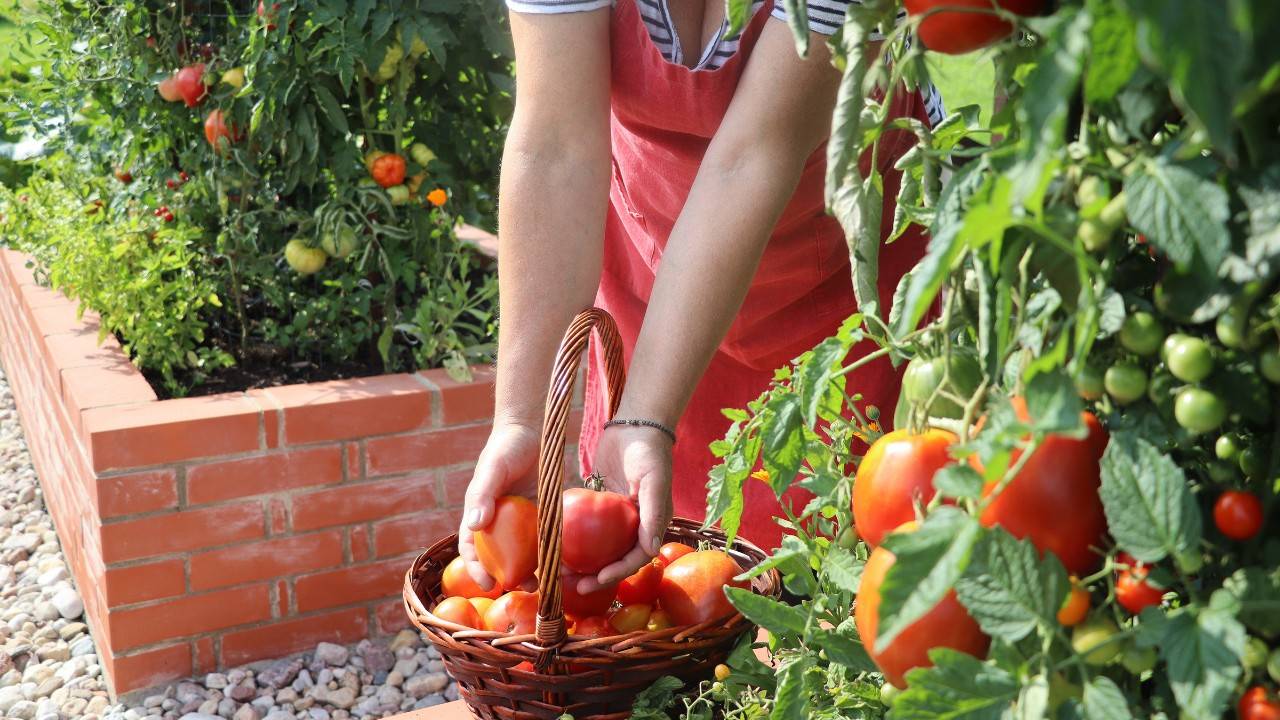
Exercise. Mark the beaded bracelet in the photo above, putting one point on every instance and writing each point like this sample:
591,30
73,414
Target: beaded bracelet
645,423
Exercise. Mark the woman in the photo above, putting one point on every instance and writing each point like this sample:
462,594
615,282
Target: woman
683,192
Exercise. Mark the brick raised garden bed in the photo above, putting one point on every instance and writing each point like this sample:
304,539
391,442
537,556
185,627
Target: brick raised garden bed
210,532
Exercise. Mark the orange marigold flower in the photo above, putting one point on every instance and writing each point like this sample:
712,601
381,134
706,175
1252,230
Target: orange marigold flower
437,197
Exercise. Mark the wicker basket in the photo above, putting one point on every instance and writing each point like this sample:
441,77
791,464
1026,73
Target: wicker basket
590,679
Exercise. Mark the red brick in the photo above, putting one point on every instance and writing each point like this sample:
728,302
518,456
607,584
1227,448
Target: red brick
285,638
272,473
391,617
103,386
464,402
37,296
360,550
139,583
405,453
190,615
206,660
455,486
181,531
157,433
139,493
415,532
270,417
349,585
63,318
345,409
279,516
17,263
251,562
281,598
354,471
362,502
73,351
149,667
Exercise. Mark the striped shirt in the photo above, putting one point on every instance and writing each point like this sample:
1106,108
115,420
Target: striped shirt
824,16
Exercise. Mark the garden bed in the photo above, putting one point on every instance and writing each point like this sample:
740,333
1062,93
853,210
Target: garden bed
209,532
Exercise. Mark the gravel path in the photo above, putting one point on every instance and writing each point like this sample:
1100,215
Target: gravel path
49,667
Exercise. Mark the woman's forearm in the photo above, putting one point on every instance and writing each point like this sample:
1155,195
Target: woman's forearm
551,226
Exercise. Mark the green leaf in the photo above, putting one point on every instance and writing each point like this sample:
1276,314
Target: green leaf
792,562
816,374
1150,510
843,646
1054,405
1010,590
1033,700
1113,54
1202,652
929,561
1103,700
959,481
957,687
1179,211
845,142
774,616
1258,596
737,12
724,497
332,110
791,701
1198,49
652,702
783,435
842,569
798,20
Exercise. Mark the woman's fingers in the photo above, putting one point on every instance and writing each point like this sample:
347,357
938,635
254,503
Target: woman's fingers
655,513
467,549
616,571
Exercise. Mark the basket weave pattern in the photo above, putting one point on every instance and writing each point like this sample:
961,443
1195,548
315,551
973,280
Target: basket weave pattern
591,679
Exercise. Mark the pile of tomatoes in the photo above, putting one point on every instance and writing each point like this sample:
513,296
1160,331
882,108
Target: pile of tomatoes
681,586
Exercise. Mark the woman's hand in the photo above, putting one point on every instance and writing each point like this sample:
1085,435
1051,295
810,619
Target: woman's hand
508,465
635,461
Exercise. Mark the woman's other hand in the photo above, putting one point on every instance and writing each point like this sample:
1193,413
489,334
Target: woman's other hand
508,465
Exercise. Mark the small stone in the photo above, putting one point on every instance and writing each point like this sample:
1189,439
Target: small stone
404,638
247,712
318,714
406,653
378,659
23,710
215,681
68,602
423,685
208,707
58,653
429,701
331,654
153,701
82,646
74,707
451,692
279,715
389,697
169,704
286,696
51,576
395,679
435,666
281,673
47,612
200,716
341,698
243,691
71,630
188,691
407,668
48,685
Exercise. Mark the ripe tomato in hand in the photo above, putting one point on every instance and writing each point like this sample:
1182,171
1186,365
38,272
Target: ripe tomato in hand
896,472
956,32
692,587
190,84
459,611
1133,592
1258,704
630,618
599,528
673,550
579,606
642,587
515,613
1053,501
948,624
455,581
1238,514
596,626
508,547
388,170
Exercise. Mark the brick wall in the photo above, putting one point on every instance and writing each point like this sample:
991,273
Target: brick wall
209,532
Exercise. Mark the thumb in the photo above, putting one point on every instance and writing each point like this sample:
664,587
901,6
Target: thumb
490,479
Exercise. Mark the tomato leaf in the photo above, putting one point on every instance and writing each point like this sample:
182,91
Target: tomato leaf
792,562
957,686
1181,212
842,568
1009,590
1033,700
774,616
652,702
1149,506
791,701
959,481
1201,648
784,443
817,373
1103,700
929,561
1257,594
1113,55
1054,405
724,496
844,646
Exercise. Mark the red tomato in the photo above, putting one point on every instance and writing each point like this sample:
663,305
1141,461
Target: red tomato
1258,704
630,618
508,548
168,89
692,587
959,31
895,474
599,528
526,666
642,587
481,604
673,550
515,613
1238,514
1075,607
388,170
216,129
459,611
581,606
1054,500
658,620
269,16
596,626
1133,592
947,625
190,84
124,176
455,581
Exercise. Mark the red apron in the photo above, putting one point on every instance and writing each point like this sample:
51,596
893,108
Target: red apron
663,117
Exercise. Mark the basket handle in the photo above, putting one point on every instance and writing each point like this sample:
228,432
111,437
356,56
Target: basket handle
551,631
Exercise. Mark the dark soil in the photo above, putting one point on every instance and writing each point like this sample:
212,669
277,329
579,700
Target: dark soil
261,371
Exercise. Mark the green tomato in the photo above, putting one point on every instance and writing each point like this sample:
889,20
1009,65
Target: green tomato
1273,665
1269,364
924,375
1190,359
1092,189
889,694
847,539
1199,411
1090,640
1094,235
1141,334
1255,654
1113,213
1125,382
1221,472
1138,660
1089,383
1190,561
340,243
1227,446
1236,329
1252,464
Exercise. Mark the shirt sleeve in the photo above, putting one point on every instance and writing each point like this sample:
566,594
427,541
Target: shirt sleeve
553,7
